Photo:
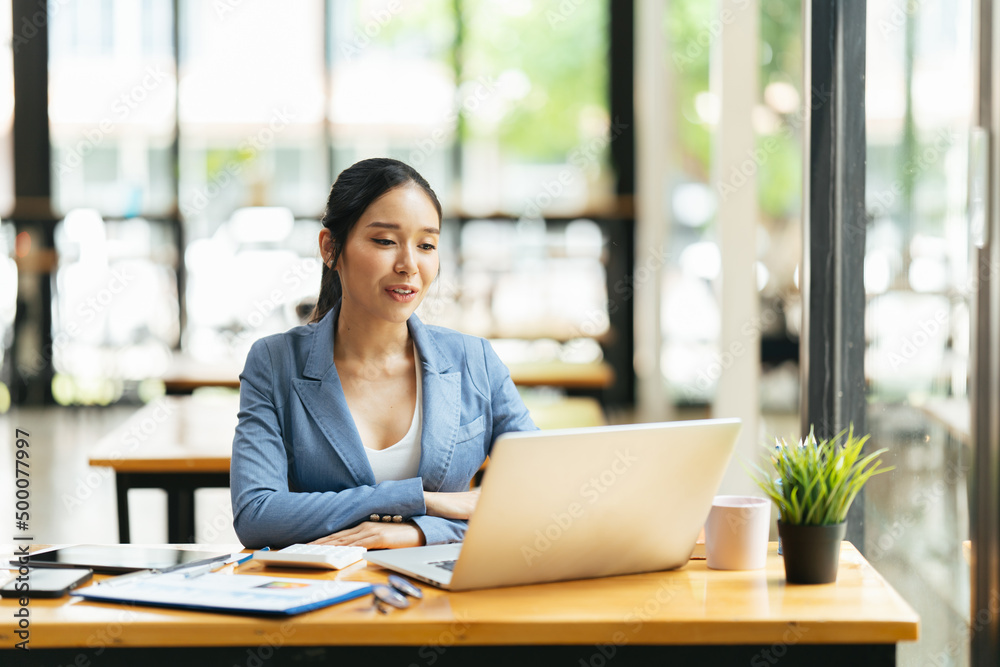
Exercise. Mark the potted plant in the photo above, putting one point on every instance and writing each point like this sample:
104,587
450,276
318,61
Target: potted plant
816,482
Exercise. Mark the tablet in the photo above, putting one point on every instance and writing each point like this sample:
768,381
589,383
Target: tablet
116,558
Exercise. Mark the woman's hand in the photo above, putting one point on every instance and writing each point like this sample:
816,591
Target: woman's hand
376,535
459,505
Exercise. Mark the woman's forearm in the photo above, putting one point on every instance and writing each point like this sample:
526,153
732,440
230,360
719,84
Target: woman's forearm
263,517
457,505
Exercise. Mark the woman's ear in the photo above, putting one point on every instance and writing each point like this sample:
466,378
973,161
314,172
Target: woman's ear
326,247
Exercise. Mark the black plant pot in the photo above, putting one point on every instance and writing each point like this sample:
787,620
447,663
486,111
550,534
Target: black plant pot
811,553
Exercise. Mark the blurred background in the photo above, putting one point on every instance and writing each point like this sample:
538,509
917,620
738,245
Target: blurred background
574,146
198,171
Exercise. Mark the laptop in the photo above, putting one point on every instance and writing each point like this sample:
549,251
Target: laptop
582,503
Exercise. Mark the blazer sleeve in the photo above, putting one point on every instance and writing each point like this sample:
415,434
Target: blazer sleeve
265,511
437,530
508,414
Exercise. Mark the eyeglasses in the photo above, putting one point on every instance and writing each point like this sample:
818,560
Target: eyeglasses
395,594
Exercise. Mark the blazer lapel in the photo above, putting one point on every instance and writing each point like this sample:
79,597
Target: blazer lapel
442,407
323,397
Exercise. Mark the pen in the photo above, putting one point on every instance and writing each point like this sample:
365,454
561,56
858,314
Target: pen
204,569
243,559
192,564
237,559
240,558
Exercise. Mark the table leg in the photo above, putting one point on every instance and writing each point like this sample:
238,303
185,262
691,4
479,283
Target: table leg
180,515
180,490
122,487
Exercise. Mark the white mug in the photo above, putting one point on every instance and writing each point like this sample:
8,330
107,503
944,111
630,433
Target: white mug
736,533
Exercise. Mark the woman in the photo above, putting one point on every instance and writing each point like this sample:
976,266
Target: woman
365,426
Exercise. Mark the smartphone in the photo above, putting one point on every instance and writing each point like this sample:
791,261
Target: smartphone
45,582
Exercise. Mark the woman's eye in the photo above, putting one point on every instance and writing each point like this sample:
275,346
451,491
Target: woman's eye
382,241
427,246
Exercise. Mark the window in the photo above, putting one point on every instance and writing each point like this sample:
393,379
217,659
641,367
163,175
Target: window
8,309
918,284
414,112
236,141
537,127
116,316
6,111
111,107
690,308
251,92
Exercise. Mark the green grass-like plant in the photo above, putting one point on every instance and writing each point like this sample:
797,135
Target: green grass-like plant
817,480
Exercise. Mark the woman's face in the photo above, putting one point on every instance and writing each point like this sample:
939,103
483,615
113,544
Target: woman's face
390,258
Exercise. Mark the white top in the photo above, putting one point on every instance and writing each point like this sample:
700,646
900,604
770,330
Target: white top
401,460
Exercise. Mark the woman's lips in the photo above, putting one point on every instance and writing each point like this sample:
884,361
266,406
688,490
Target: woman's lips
402,294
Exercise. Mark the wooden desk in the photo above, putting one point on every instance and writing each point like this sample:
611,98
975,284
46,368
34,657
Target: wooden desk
560,374
184,443
687,615
186,375
565,412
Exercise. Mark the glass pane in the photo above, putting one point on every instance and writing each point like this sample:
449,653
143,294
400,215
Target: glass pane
691,359
412,114
918,106
6,111
8,309
115,307
531,280
535,82
112,88
779,120
258,274
252,161
690,315
536,288
251,110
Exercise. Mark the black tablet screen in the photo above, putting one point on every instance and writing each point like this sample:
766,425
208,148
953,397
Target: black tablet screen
116,557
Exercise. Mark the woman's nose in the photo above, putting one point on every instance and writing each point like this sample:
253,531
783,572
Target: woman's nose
405,262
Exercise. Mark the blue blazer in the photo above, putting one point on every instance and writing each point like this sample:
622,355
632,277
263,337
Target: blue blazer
299,470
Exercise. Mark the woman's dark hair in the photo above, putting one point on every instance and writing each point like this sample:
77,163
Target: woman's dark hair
354,191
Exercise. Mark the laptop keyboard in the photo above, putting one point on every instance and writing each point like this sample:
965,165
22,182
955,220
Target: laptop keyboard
445,565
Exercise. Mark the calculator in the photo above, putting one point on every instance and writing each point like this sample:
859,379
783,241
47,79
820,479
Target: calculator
320,556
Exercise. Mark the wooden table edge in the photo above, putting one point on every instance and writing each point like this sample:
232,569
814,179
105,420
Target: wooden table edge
218,464
356,623
484,634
